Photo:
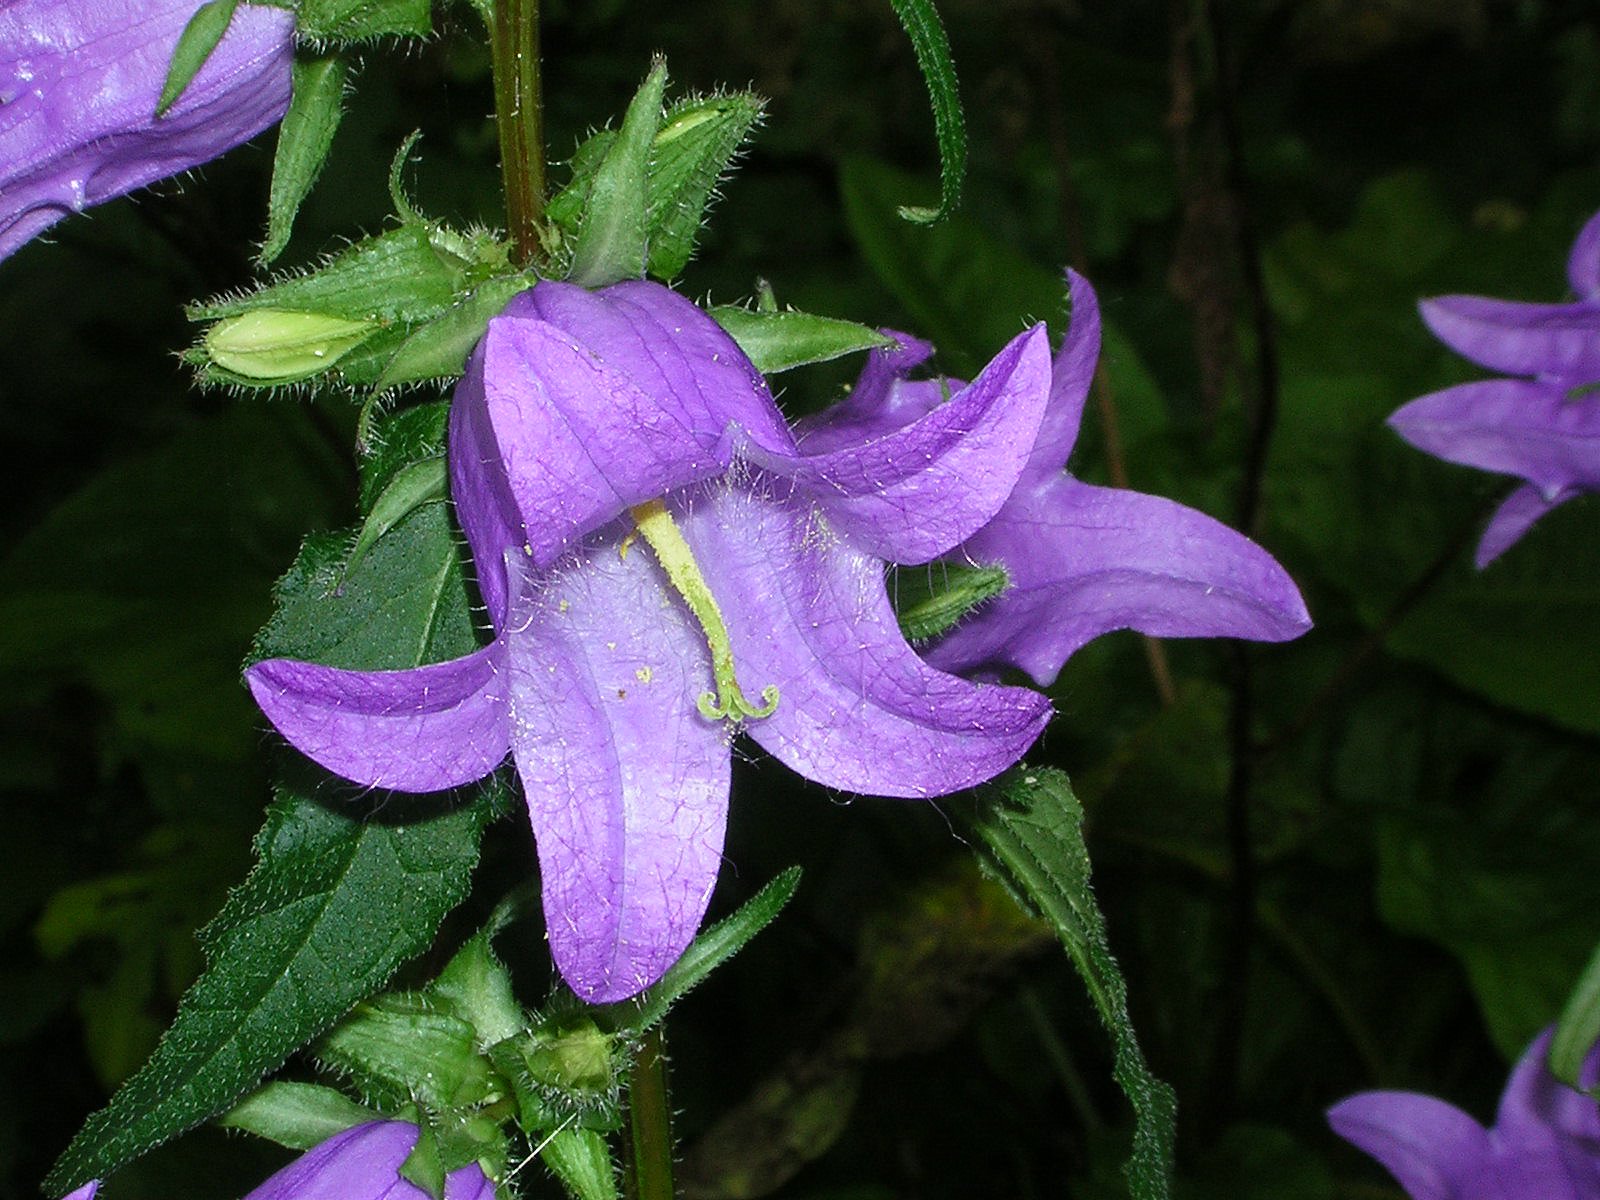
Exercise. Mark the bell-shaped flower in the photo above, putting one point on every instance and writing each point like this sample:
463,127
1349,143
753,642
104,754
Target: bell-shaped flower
1542,424
79,86
662,567
1082,560
1545,1143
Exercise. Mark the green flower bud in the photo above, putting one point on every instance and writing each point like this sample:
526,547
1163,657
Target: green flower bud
272,345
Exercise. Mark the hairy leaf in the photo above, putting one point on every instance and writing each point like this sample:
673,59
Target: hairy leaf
922,25
779,341
199,38
362,20
612,238
316,106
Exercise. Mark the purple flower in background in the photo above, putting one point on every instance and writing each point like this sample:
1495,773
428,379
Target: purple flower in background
1082,560
1545,1144
79,83
1542,426
654,551
361,1163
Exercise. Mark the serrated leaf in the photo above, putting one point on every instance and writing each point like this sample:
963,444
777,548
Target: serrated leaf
1031,826
338,900
612,239
296,1115
316,106
697,141
439,348
199,38
780,341
1579,1027
932,600
921,22
706,953
362,20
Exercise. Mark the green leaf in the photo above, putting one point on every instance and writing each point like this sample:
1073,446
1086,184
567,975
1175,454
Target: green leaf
581,1159
612,241
316,106
416,484
296,1115
478,987
922,25
706,953
933,599
1031,826
696,142
338,900
779,341
362,20
199,38
439,348
1579,1027
405,1046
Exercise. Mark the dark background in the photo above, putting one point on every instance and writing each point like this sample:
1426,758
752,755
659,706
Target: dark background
1363,859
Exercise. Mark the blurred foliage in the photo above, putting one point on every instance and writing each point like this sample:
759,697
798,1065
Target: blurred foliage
1420,783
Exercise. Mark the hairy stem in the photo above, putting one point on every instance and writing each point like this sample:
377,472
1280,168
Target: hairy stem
519,117
648,1169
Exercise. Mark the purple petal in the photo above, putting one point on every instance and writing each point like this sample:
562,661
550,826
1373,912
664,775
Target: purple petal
1434,1150
1549,340
1086,560
857,709
1517,427
1583,264
670,349
1536,1106
881,402
78,91
1515,516
916,492
482,493
86,1192
627,784
363,1163
420,730
1071,376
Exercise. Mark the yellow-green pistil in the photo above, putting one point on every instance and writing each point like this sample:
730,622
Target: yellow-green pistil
677,560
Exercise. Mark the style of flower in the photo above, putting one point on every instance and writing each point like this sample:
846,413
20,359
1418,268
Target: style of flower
79,86
1542,426
1082,560
653,551
1545,1143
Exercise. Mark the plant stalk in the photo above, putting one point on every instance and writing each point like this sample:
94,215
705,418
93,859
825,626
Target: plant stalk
519,118
648,1162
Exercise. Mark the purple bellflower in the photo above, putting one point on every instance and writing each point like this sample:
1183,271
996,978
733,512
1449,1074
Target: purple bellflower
1082,560
361,1163
654,550
79,84
1543,425
1545,1143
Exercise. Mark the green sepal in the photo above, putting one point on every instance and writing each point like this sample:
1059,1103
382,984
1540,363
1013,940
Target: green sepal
270,346
934,599
199,38
706,953
398,440
451,1140
439,348
406,1046
694,147
413,486
323,21
477,987
1029,833
921,22
316,106
612,240
296,1115
581,1159
393,283
1579,1027
563,1071
781,341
